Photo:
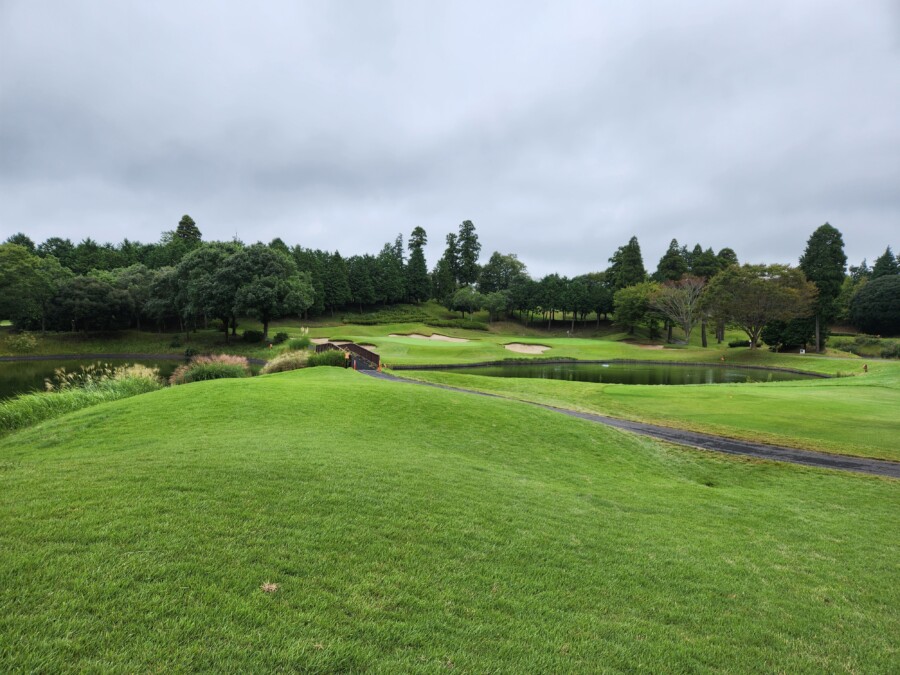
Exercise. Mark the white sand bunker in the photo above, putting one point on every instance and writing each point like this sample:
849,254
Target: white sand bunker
519,348
433,336
322,341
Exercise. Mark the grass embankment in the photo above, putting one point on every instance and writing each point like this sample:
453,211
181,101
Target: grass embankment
410,528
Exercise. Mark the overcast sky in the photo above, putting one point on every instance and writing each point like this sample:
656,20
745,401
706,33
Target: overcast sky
561,129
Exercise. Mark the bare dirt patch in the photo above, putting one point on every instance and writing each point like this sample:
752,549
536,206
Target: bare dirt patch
433,336
520,348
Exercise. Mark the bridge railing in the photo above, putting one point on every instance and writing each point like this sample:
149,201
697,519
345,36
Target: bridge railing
362,352
367,354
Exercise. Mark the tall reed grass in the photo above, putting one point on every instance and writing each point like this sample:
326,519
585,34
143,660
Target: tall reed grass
71,391
291,360
333,357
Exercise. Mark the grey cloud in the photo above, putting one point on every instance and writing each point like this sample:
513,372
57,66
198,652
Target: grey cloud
561,130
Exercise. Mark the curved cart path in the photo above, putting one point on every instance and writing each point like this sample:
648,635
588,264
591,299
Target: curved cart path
877,467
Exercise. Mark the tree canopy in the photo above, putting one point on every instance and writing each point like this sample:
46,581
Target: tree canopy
418,283
751,296
679,302
886,264
627,266
824,263
876,307
468,249
187,230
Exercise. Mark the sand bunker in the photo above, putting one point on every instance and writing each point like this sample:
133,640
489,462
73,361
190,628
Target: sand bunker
642,346
519,348
433,336
322,341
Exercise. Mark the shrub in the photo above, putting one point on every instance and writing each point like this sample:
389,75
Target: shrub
203,368
279,338
891,351
253,336
843,344
189,353
290,360
22,342
302,342
867,345
176,342
457,323
333,357
391,315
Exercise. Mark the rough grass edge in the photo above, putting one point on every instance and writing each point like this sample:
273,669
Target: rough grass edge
27,410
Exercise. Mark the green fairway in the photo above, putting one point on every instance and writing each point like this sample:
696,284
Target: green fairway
410,528
851,415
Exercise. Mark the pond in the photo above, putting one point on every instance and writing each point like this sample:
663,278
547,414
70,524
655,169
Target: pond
635,373
19,377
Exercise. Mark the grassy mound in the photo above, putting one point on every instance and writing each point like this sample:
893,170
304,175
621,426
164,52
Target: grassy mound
416,529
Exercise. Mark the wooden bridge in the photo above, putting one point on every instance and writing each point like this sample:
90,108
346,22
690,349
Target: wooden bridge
359,358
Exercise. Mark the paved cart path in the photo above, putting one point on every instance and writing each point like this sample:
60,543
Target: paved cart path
878,467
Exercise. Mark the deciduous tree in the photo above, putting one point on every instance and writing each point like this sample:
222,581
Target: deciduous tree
500,272
27,284
679,302
632,304
751,296
273,287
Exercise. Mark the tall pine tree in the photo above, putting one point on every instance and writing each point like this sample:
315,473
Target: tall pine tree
885,264
469,250
418,285
824,262
672,266
187,230
627,267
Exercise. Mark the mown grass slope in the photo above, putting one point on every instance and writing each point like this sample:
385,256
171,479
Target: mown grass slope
847,415
418,529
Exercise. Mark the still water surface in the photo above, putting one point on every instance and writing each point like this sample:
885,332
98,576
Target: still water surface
634,373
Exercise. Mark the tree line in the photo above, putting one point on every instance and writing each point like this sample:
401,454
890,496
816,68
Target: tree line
185,282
